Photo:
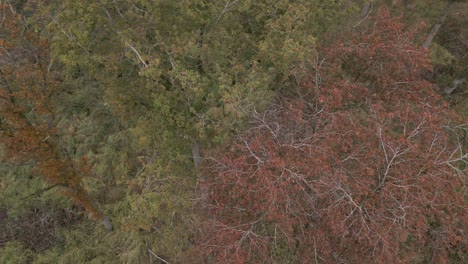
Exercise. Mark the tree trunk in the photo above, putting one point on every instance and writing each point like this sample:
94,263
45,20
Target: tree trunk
436,27
107,224
196,154
201,185
365,11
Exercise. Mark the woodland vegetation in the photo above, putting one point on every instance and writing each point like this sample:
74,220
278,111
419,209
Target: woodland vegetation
238,131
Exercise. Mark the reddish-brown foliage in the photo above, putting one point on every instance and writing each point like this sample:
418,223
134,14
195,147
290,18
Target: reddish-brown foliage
26,108
366,164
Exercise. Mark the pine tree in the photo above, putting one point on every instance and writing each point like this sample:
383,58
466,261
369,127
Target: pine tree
27,110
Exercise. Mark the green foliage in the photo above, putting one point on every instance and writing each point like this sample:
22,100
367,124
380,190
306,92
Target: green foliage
159,201
20,191
418,11
197,72
462,107
15,253
440,55
451,37
88,244
136,83
153,214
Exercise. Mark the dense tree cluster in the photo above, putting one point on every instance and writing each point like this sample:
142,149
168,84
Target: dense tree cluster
239,131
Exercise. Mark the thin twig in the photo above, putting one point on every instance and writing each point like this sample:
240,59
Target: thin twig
136,52
42,190
158,257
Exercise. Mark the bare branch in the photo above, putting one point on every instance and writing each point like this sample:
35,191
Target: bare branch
156,256
137,53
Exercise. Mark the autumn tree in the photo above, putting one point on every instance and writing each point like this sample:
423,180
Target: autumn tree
143,88
174,73
28,128
362,162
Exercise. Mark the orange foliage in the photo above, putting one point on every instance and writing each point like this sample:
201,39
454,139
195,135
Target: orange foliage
26,108
366,165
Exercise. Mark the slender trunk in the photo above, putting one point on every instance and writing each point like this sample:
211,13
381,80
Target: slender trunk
437,26
365,11
201,185
81,197
107,224
196,154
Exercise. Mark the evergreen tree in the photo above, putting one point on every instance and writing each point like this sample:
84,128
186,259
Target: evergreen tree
27,110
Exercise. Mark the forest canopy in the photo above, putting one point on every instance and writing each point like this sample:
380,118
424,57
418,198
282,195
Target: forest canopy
237,131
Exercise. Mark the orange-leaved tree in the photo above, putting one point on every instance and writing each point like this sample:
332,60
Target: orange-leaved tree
29,84
365,162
